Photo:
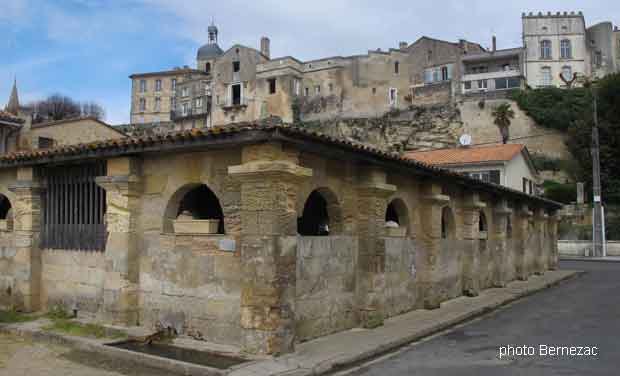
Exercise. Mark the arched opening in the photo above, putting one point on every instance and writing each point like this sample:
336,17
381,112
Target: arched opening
448,227
397,218
482,224
195,202
321,214
6,214
208,68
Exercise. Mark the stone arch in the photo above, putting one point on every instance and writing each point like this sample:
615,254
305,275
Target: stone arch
448,223
320,208
6,212
197,200
398,212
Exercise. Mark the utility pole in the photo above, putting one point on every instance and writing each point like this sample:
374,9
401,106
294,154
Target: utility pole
598,235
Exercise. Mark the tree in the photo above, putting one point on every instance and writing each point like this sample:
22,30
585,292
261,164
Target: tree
61,107
503,115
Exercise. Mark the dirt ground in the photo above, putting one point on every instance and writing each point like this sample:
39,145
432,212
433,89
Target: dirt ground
20,357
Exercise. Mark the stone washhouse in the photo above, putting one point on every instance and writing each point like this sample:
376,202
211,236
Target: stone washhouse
257,236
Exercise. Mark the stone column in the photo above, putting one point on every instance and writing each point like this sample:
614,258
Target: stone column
540,219
552,222
501,212
431,205
270,182
123,186
471,244
521,236
27,229
372,205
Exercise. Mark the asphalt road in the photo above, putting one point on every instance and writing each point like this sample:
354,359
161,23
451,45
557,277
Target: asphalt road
584,311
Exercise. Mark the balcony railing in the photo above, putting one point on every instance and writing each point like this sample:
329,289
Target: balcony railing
491,75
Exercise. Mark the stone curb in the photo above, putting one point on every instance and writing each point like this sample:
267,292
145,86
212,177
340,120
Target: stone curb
114,353
589,259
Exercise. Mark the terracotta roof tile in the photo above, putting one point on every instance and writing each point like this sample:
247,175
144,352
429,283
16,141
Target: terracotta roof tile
464,155
203,138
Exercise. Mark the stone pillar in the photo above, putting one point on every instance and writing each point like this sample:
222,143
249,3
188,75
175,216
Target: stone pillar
501,212
431,205
372,205
27,229
471,244
552,222
123,186
540,219
270,182
521,236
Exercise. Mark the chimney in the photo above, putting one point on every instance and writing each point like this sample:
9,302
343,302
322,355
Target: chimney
264,47
494,43
402,45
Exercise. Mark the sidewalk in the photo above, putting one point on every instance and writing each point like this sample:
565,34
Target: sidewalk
590,258
330,353
347,348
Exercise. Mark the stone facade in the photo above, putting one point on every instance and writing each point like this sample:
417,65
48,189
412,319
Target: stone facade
263,283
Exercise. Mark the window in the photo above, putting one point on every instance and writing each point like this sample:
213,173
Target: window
296,87
208,68
467,85
156,119
142,86
317,89
501,83
393,96
565,49
185,109
374,91
598,58
482,84
444,74
331,87
545,49
435,75
184,91
173,84
491,176
236,66
567,73
236,94
142,106
158,104
526,185
45,143
546,78
198,102
429,55
173,103
306,92
73,208
272,85
396,67
157,85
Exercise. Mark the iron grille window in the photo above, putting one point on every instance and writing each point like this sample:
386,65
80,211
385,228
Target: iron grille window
74,207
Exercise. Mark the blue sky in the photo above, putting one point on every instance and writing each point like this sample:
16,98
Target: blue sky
87,48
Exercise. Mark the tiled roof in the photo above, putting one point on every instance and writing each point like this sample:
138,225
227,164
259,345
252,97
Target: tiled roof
7,116
248,133
172,72
465,155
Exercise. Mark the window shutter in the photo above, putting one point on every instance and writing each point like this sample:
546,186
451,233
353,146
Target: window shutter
428,76
494,175
449,71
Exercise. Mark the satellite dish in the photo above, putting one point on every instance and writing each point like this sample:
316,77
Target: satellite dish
465,140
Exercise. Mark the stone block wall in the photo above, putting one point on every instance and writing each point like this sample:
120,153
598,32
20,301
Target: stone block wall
401,263
326,280
7,268
72,280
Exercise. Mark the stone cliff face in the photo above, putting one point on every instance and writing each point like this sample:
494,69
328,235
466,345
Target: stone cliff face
419,128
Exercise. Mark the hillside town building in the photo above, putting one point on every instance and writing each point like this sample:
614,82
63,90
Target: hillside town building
246,84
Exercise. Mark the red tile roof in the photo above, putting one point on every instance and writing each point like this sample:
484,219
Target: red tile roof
249,133
7,116
465,155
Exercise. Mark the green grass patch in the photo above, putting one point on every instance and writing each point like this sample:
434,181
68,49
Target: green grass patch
78,329
10,316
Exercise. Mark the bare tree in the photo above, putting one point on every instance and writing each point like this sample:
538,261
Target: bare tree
61,107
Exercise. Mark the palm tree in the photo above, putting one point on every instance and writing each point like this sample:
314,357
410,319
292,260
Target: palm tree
503,115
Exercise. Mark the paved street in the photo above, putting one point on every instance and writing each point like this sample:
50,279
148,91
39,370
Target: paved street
580,312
